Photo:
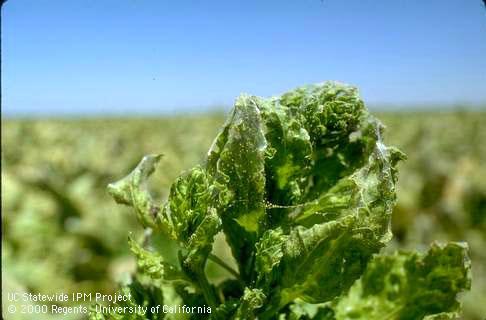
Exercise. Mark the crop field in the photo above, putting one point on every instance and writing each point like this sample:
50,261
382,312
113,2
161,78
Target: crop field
62,231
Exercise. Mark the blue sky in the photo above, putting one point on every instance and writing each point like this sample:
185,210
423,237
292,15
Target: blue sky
139,56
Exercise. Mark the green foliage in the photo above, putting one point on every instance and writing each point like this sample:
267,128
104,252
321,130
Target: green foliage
409,286
303,189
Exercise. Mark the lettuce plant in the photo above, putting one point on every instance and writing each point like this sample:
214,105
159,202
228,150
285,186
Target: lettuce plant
303,188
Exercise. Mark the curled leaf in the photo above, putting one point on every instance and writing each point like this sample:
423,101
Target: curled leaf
410,286
132,191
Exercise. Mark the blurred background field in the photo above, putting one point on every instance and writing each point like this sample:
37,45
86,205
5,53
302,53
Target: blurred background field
63,233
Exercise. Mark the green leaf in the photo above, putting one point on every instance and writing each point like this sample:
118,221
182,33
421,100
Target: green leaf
200,243
198,249
410,286
252,299
289,154
187,217
319,262
191,199
317,135
132,191
153,265
236,161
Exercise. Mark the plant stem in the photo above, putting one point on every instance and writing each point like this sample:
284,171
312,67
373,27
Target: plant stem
224,265
207,290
